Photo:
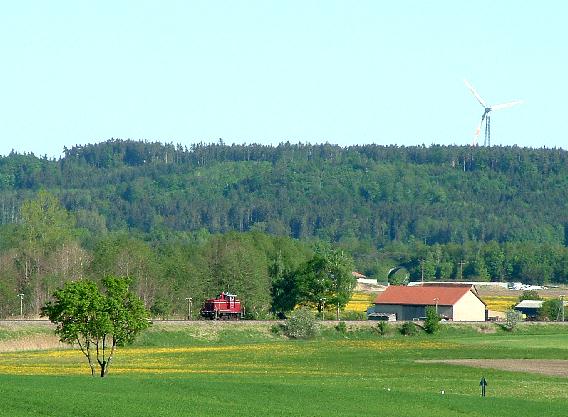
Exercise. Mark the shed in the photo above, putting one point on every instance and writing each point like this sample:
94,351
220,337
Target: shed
457,303
529,308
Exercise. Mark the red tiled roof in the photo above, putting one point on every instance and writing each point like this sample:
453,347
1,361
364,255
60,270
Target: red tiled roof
422,295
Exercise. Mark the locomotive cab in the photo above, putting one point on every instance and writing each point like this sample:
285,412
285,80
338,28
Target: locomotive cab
224,307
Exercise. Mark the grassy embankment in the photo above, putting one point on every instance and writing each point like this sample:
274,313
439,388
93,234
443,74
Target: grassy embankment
248,371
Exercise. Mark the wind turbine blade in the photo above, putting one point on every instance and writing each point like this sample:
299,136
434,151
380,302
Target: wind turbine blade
506,105
475,93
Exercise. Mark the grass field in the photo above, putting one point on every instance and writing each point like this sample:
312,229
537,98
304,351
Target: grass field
239,370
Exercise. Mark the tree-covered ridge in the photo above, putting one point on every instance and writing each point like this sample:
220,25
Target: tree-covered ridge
437,194
447,212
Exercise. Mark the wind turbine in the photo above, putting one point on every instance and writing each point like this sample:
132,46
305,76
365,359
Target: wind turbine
486,116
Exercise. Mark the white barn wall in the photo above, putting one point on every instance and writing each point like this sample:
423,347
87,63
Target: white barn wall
469,308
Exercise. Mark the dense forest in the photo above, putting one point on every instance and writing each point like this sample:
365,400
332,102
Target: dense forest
445,212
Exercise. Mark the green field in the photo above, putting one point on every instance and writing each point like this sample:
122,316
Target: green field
246,371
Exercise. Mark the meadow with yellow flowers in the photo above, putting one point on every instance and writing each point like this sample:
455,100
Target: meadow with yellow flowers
196,370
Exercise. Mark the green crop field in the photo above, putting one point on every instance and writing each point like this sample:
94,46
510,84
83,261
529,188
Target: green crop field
237,370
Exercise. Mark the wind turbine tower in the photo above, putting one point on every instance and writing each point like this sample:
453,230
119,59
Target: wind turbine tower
486,116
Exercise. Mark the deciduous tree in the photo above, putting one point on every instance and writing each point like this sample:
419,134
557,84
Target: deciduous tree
551,310
432,322
97,321
326,278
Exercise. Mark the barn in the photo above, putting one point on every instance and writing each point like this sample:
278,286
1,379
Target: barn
457,303
530,308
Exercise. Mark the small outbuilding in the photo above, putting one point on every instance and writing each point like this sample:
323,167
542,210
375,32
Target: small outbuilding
530,308
457,303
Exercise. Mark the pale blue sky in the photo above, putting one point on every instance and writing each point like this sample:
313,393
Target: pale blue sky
345,72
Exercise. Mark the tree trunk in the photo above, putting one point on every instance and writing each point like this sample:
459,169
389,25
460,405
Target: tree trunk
107,364
86,349
88,355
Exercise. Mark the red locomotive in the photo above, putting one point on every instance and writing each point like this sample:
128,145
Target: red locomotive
225,307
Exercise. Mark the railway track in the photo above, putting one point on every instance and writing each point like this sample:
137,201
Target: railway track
42,322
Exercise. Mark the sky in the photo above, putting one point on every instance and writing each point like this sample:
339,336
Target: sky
343,72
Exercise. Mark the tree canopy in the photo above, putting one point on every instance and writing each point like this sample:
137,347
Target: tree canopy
97,321
370,193
326,278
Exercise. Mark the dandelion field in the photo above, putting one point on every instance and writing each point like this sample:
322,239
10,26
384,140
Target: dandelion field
247,371
360,302
500,303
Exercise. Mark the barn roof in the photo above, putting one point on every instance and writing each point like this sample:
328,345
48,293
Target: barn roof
445,296
530,304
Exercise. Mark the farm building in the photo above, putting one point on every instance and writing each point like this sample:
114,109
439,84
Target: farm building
457,303
530,308
362,279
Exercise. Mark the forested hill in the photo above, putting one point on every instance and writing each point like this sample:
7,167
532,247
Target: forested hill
374,194
446,213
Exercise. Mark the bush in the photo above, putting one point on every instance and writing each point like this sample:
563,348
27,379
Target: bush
341,327
258,314
432,322
161,308
408,329
512,319
383,327
529,295
301,325
551,310
353,315
277,329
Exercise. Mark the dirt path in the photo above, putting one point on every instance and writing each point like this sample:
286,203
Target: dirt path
554,367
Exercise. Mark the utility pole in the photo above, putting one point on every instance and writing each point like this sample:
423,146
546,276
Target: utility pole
562,306
21,305
189,300
462,263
